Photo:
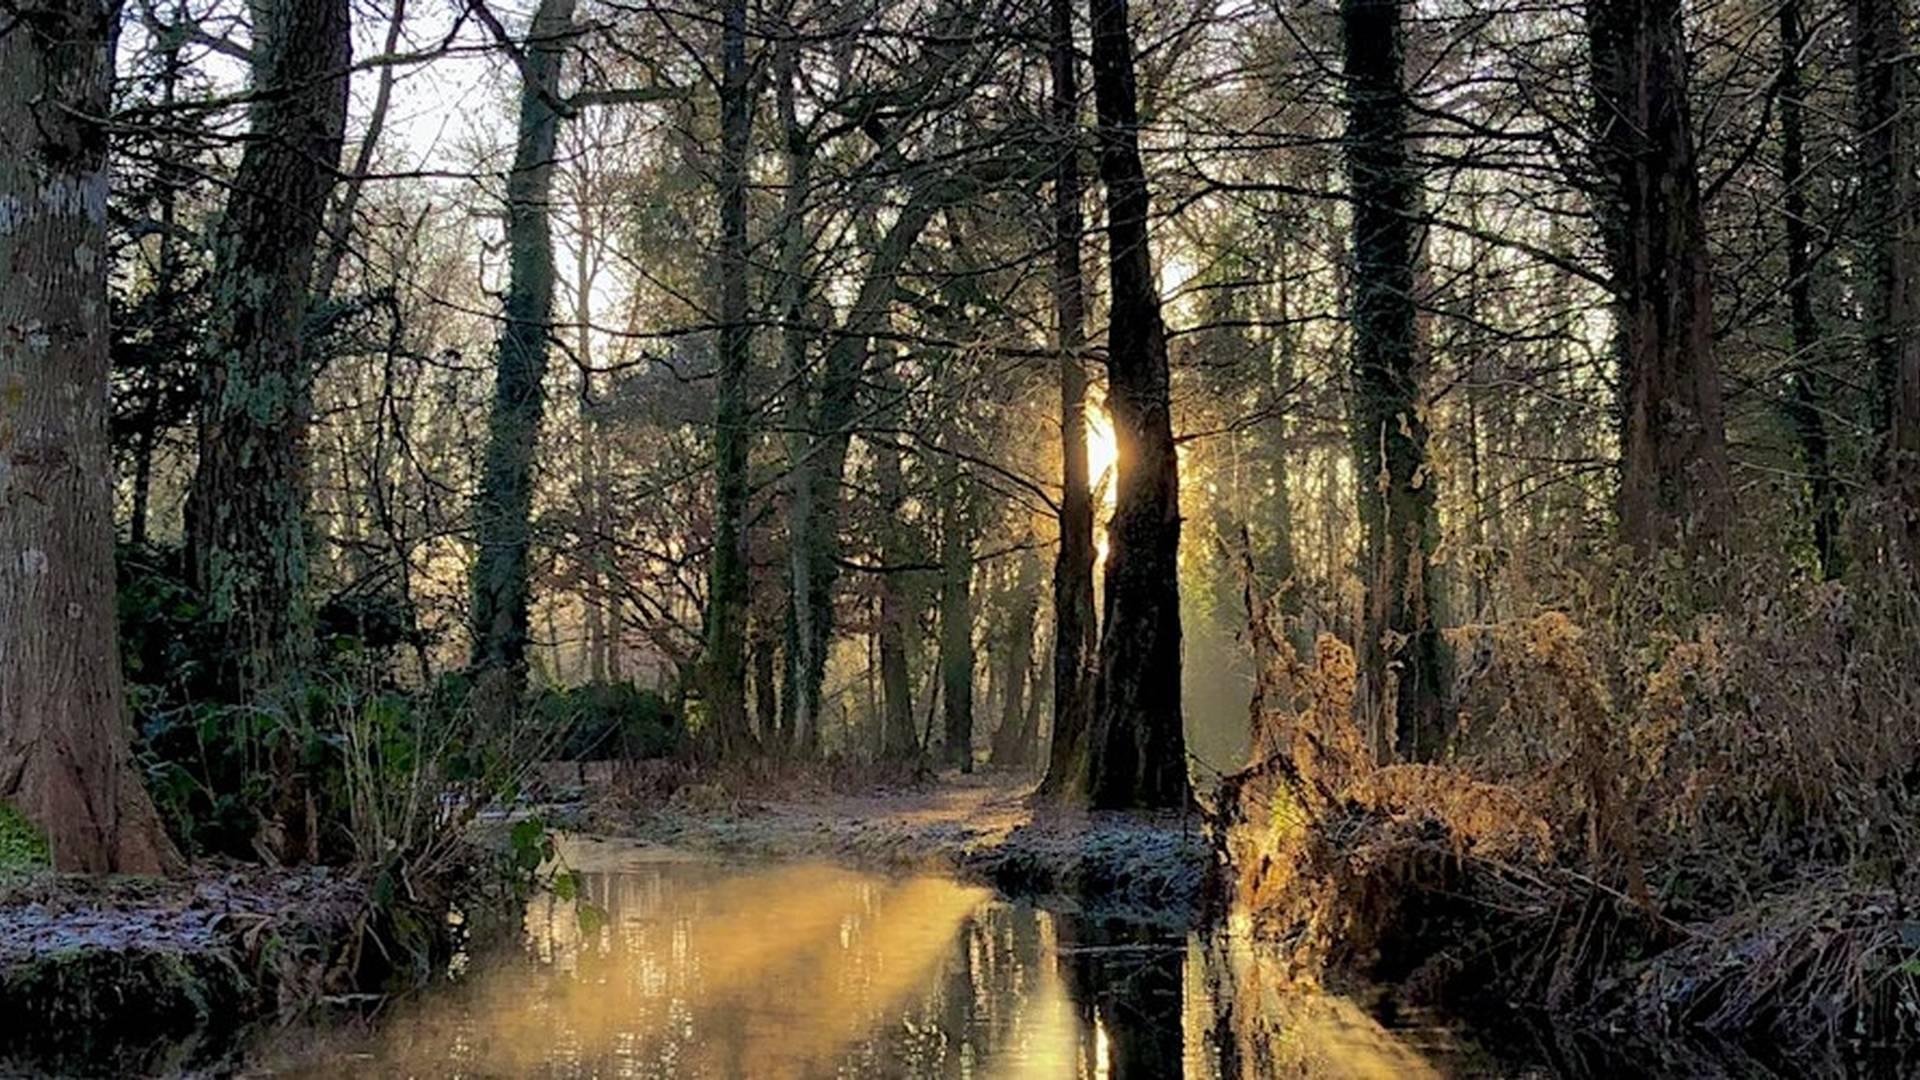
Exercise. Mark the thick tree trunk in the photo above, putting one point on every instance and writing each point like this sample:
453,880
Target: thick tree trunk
956,626
1887,229
1805,405
1136,743
247,508
1674,480
726,667
1076,631
1400,644
503,524
63,732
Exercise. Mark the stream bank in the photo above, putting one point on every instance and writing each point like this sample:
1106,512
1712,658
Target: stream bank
981,827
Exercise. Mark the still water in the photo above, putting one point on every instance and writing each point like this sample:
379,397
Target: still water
709,969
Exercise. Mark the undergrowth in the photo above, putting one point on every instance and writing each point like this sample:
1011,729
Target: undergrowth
1671,799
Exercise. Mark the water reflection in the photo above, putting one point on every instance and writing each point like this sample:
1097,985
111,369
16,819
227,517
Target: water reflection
710,970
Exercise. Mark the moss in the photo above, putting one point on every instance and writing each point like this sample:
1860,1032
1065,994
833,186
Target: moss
22,846
88,1009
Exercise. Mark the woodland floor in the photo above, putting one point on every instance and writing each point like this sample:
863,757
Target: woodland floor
103,973
983,827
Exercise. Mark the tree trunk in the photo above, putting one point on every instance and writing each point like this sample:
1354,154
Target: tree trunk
1137,750
800,699
1075,626
1805,405
956,625
898,740
1013,740
503,513
1674,482
247,508
63,733
728,595
1887,230
1400,644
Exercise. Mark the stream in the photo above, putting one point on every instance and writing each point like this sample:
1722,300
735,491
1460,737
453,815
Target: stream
695,967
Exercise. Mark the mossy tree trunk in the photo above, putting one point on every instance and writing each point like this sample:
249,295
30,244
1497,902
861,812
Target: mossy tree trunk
728,585
1675,487
246,514
63,735
503,526
1806,402
1400,642
1136,742
956,622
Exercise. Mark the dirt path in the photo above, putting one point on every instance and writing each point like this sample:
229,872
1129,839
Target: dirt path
982,827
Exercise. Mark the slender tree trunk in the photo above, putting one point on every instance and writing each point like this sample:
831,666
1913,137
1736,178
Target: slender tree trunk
1805,405
503,513
63,731
340,229
956,625
247,508
800,701
898,740
1887,228
1137,749
1400,644
1076,628
1674,483
1013,739
732,433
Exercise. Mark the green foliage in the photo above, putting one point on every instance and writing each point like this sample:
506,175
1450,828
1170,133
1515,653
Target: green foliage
602,721
22,846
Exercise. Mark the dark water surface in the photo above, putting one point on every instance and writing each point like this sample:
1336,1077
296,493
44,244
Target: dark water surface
709,969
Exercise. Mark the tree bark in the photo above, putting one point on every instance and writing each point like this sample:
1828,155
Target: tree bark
1076,631
732,434
1887,229
1013,740
1804,406
247,507
898,740
1400,644
1675,486
503,513
1137,751
956,624
63,734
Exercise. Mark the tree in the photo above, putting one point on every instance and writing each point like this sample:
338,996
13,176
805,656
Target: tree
956,619
1400,637
63,738
1806,400
1137,751
1892,262
1076,631
732,431
247,525
1675,486
503,513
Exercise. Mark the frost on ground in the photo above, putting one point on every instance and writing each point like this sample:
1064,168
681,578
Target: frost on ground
981,827
106,972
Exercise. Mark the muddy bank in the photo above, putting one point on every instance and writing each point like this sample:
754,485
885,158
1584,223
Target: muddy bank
118,976
981,828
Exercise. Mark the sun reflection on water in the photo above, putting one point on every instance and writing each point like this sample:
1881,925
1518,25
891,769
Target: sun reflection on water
805,970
